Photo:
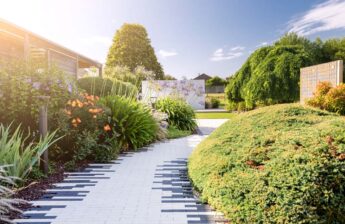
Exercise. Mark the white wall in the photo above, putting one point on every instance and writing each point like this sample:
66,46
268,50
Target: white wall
193,91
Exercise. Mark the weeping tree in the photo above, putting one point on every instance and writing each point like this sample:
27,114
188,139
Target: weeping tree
132,48
271,74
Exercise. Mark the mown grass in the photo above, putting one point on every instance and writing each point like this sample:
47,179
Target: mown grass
173,132
215,115
277,164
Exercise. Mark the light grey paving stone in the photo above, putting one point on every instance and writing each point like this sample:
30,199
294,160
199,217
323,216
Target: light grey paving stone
149,186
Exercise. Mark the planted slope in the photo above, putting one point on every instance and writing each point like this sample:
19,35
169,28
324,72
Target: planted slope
278,164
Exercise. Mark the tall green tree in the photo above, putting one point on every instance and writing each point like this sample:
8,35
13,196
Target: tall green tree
132,48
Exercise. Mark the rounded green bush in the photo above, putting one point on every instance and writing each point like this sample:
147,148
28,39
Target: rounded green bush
277,164
180,113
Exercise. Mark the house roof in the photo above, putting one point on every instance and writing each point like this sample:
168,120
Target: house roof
20,33
203,77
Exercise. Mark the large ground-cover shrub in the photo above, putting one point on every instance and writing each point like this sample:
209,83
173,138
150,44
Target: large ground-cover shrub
180,114
277,164
132,122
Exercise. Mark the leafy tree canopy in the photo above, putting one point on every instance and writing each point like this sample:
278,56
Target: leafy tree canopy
271,74
216,81
132,48
169,77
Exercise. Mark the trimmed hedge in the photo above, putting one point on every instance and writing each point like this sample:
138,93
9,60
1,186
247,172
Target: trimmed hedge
104,86
278,164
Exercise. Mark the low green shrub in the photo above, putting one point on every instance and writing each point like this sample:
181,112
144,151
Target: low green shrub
180,113
276,164
7,204
107,86
215,103
132,121
22,155
212,103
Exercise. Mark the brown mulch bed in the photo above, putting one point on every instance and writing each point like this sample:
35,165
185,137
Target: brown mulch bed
35,189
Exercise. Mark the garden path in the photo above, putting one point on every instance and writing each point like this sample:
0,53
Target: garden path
149,186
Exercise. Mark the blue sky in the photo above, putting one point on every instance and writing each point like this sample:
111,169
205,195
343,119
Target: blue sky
189,36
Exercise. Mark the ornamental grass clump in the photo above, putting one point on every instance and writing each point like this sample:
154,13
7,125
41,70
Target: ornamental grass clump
20,151
180,114
132,122
7,204
277,164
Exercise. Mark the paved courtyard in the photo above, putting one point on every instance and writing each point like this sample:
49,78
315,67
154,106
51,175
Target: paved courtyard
149,186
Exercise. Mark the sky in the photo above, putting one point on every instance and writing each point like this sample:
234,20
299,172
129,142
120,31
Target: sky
189,36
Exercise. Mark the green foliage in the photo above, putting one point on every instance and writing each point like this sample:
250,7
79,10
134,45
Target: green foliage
20,85
15,150
107,86
328,98
277,164
216,81
180,113
91,147
132,121
7,204
271,74
131,48
174,132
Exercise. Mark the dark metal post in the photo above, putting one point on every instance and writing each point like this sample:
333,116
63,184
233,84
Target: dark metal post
43,128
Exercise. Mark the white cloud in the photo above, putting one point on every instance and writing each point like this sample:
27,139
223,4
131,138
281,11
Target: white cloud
262,44
165,53
104,40
220,55
237,48
329,15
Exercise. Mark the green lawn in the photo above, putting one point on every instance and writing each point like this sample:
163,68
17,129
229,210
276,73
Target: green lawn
215,115
176,133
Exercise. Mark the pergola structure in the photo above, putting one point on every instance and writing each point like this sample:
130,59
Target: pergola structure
18,43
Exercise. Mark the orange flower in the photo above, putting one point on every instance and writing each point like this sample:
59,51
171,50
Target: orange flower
80,104
73,104
78,120
69,102
94,116
74,121
97,97
107,127
68,112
